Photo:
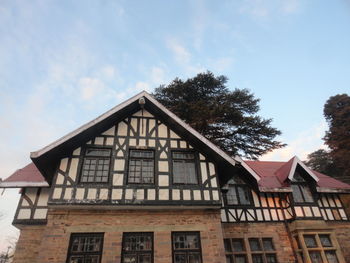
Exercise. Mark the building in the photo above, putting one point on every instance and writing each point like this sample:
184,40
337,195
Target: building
139,185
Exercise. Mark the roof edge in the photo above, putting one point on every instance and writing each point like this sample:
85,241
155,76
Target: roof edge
20,184
91,123
82,128
294,165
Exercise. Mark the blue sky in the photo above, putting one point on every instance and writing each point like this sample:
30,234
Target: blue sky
62,63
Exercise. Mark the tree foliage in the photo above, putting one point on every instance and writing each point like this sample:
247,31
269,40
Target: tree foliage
337,114
227,118
322,161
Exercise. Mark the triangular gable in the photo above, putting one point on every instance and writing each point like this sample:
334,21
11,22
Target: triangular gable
296,161
28,176
47,157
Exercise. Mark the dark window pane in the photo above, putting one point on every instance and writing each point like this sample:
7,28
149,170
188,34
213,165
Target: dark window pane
271,258
194,258
307,193
298,198
186,247
184,172
129,259
325,240
231,195
238,245
240,259
315,256
141,154
254,244
180,258
183,155
229,259
331,257
257,258
92,259
76,259
144,259
98,152
310,241
243,195
85,248
141,166
268,245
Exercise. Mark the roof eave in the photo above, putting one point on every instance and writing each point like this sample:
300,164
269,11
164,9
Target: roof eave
20,184
332,190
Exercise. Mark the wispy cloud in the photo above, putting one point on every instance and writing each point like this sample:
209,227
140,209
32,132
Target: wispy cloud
260,9
181,54
304,143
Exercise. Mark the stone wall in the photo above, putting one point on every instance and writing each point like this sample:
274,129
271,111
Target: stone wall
27,248
61,223
276,231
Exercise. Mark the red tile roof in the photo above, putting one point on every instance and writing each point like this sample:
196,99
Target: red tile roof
25,177
274,175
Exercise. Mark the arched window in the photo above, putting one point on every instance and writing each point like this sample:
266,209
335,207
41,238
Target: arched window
301,190
238,192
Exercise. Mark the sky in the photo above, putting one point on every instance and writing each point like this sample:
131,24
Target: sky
63,63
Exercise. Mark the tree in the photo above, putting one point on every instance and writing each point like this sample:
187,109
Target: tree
337,114
322,161
227,118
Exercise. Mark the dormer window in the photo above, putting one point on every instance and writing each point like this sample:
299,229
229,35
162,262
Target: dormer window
184,168
141,167
96,163
238,192
301,190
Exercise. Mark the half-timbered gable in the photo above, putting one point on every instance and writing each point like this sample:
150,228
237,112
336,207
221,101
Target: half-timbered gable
138,161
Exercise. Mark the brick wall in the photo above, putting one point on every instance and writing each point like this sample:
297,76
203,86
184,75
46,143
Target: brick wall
61,223
342,231
28,244
277,231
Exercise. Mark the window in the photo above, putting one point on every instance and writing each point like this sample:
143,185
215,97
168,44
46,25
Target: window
186,247
184,168
301,190
302,193
316,248
137,248
85,248
141,167
96,163
255,250
238,192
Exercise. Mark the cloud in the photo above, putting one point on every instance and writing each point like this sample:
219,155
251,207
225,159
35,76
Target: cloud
305,143
90,87
261,9
180,53
290,6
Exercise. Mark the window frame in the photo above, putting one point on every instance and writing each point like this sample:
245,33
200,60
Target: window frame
82,158
141,158
186,251
247,251
91,234
196,166
125,234
303,251
236,186
304,202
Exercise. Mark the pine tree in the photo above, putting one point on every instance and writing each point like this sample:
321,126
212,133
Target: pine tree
227,118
